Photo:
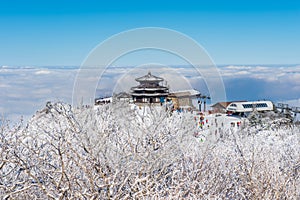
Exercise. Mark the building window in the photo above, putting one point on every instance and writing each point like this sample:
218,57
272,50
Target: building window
259,105
247,105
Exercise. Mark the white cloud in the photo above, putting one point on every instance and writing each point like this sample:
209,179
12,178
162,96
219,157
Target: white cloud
42,72
293,102
2,85
234,67
268,73
25,90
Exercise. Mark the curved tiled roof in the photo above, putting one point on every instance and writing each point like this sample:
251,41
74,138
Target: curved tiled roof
149,78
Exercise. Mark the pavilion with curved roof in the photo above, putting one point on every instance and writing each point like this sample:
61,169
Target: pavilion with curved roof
149,90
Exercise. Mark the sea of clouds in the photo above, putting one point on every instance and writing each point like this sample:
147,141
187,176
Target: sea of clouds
24,90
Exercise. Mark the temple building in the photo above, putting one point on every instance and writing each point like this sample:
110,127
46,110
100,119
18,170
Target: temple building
149,90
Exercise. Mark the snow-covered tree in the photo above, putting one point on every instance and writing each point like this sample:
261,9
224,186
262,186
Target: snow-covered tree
117,151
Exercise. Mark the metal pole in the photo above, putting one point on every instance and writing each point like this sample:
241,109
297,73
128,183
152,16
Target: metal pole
199,103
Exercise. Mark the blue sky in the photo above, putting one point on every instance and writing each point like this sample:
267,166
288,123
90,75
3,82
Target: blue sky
48,33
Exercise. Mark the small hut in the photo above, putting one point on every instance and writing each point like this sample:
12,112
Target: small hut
184,98
220,107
